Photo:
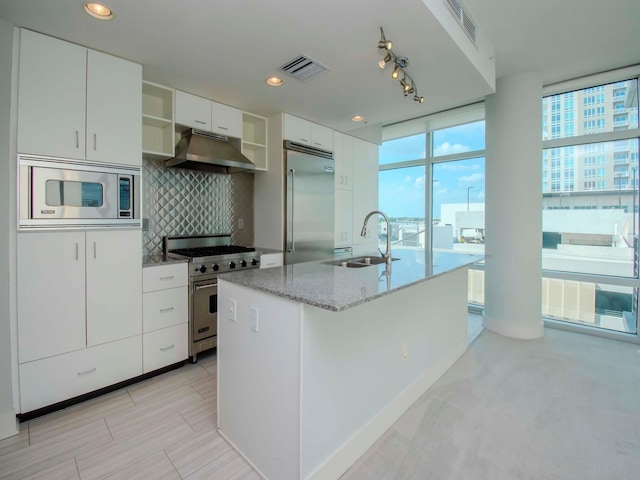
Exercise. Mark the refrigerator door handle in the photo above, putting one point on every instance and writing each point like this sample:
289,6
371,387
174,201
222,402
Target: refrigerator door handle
292,247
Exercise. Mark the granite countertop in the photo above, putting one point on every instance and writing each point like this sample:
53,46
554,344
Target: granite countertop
156,260
338,288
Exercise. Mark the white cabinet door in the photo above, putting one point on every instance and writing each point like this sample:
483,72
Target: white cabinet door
51,96
193,111
51,306
114,109
59,378
165,347
297,130
344,218
343,154
226,120
114,285
321,137
365,194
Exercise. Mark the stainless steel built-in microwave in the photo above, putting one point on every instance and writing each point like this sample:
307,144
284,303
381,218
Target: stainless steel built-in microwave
58,193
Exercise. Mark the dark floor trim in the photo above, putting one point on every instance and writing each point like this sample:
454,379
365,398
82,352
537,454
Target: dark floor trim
23,417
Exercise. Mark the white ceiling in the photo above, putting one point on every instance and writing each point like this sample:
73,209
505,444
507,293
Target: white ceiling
224,49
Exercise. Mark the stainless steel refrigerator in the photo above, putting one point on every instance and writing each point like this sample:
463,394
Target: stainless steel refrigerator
309,214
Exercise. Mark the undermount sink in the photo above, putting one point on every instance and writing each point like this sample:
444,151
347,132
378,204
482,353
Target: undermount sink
358,262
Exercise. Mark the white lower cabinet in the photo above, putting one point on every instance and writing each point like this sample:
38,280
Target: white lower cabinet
165,347
165,315
54,379
79,313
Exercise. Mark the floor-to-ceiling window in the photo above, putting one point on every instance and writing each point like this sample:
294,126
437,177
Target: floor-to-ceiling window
431,185
590,206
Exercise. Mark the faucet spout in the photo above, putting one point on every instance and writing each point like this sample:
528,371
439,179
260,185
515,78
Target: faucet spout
363,232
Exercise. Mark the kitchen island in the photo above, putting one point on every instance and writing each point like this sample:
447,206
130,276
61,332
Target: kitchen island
316,360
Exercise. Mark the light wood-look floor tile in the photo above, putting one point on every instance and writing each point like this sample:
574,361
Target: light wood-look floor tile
35,458
67,470
150,389
207,387
228,466
196,451
155,467
138,444
140,416
201,415
49,426
11,444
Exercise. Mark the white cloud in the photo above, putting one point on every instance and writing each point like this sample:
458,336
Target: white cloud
457,166
474,177
419,183
447,149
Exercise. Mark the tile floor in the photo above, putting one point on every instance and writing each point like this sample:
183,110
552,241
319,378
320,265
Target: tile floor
162,428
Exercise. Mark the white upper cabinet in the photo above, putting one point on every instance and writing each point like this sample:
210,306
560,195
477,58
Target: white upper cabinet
321,137
308,133
77,103
193,111
51,96
114,108
226,120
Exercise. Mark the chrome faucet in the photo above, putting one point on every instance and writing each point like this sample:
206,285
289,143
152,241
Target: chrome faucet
386,255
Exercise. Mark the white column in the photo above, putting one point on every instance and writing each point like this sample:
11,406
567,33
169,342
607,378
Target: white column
514,208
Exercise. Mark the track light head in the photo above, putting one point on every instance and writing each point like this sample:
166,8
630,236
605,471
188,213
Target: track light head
400,64
384,43
383,63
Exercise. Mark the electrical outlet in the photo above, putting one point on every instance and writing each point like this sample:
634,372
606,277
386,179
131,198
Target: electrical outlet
232,310
405,352
253,319
240,223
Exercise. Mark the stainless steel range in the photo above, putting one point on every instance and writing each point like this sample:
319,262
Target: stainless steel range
208,255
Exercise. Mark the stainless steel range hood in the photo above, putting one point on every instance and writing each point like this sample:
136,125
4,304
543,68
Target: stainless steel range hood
199,150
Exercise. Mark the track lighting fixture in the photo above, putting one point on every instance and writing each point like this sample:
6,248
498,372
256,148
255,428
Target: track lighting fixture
400,64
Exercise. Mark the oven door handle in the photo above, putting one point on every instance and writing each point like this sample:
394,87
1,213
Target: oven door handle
201,287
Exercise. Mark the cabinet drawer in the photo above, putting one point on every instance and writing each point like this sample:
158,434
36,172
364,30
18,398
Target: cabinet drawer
164,308
165,347
59,378
163,277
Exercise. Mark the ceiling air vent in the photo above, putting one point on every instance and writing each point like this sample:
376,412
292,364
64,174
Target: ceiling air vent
303,68
458,11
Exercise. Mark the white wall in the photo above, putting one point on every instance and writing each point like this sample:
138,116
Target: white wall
7,231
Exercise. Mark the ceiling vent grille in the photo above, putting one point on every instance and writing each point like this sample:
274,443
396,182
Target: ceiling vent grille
465,22
303,68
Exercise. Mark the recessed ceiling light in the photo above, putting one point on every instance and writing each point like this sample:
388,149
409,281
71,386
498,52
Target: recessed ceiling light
98,10
357,118
274,81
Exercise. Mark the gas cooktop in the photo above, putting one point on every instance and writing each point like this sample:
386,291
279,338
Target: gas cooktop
210,254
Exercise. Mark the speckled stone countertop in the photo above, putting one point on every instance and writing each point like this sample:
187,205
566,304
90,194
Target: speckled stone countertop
156,260
338,288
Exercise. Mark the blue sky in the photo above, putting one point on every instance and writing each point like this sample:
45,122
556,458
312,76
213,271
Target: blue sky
402,191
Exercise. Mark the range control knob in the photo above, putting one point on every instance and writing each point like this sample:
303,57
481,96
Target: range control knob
215,267
243,263
232,265
254,262
202,269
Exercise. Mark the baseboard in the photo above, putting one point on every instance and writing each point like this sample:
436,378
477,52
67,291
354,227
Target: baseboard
8,425
363,439
513,329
